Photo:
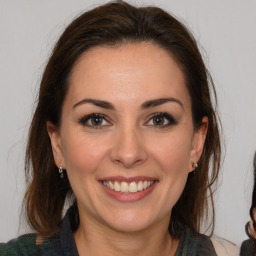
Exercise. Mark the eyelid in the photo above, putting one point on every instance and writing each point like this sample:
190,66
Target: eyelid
169,117
84,120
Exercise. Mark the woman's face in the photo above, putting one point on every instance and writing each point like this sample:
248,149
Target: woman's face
126,137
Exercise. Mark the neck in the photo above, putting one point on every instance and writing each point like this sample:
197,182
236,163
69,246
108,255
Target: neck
95,238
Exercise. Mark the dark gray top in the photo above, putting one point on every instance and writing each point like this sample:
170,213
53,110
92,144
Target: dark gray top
248,248
63,244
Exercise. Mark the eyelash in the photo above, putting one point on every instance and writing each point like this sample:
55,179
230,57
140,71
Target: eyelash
170,119
85,120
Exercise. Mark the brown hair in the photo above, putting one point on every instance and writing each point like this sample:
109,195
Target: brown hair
253,205
113,24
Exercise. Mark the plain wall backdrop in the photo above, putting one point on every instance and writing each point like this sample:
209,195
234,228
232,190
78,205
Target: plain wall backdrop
226,32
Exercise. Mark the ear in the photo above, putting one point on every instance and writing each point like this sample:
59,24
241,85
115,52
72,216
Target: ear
198,142
56,143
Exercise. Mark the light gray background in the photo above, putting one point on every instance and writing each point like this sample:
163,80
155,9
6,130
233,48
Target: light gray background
226,30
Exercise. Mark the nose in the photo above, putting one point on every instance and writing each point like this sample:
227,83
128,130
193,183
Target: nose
128,148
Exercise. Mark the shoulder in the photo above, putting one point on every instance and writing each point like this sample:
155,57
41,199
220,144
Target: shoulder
21,246
195,244
248,248
202,244
199,244
224,247
31,245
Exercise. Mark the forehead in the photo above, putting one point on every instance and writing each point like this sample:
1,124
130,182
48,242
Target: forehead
127,72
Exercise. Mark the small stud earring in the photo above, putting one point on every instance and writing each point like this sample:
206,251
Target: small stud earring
195,165
61,171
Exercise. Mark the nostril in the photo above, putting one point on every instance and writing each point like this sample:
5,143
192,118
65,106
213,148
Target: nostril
127,163
128,149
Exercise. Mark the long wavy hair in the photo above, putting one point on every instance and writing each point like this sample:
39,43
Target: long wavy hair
114,24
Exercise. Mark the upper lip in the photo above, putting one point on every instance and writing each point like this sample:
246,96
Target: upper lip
128,180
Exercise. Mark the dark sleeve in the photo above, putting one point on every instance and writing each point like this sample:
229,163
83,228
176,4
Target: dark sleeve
202,246
21,246
195,244
248,248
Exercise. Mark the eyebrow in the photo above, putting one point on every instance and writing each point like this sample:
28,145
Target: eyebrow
157,102
98,103
145,105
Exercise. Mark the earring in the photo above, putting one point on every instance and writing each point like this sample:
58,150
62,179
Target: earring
61,171
195,165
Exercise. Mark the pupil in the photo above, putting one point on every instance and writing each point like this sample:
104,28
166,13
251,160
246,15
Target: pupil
96,121
158,120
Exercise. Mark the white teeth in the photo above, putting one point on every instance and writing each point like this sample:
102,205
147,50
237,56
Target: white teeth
111,185
117,186
125,187
133,187
140,186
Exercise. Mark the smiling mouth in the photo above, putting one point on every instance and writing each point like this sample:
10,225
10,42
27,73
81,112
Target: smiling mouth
128,187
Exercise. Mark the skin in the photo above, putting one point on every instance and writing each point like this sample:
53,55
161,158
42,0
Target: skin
129,143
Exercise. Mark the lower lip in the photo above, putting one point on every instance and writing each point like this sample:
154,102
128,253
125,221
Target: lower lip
129,197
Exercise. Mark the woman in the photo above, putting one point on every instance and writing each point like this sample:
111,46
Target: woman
124,131
248,247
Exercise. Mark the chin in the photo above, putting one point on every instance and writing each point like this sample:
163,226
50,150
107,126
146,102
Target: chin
129,226
129,222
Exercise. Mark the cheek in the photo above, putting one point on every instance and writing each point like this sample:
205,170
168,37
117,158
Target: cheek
83,154
172,153
173,158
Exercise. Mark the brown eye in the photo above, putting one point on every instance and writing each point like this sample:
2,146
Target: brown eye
94,121
161,120
158,120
